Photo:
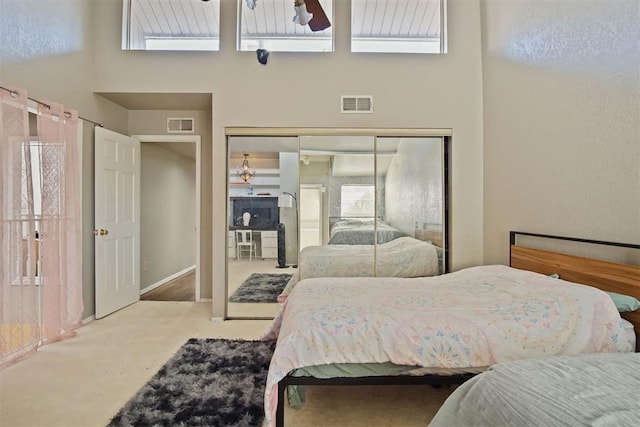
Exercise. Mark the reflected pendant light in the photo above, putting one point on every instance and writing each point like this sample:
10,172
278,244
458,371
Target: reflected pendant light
245,172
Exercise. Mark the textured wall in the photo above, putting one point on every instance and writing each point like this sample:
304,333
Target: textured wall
561,120
414,185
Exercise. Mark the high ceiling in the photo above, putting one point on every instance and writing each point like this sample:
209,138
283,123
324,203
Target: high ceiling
404,19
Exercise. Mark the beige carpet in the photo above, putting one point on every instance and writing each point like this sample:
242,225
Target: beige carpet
85,380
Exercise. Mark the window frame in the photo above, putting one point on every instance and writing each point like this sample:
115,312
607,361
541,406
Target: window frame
127,9
315,42
370,188
399,44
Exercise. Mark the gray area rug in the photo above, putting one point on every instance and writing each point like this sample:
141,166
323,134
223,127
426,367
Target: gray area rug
261,287
208,382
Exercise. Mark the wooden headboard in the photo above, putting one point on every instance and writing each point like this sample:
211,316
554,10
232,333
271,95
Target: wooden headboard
605,275
433,236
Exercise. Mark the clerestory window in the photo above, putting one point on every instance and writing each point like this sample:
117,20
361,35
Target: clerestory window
171,25
399,26
270,25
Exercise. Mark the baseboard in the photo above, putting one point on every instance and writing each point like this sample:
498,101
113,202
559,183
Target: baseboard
167,279
217,319
88,320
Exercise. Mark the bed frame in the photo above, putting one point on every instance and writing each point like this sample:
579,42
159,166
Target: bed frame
608,276
434,380
605,275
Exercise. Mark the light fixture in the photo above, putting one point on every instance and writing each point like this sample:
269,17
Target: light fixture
245,171
302,16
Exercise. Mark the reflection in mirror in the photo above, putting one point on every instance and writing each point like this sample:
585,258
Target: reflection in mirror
337,189
375,205
262,249
361,205
410,199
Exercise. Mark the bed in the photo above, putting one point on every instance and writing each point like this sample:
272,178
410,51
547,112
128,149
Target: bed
426,330
401,257
362,232
591,389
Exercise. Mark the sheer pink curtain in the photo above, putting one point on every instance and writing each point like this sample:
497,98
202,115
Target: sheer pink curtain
60,225
41,271
19,289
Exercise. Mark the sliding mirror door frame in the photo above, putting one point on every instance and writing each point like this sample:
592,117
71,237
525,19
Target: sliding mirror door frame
441,133
412,190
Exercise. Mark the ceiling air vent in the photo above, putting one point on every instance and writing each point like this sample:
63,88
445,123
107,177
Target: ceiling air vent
356,104
180,125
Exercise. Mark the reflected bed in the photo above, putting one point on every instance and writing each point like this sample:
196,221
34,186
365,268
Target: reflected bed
362,232
402,257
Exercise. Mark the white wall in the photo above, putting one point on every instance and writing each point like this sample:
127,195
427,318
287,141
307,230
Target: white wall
168,230
562,121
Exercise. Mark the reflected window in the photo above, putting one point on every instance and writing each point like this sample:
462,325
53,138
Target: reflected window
398,26
270,25
171,25
357,201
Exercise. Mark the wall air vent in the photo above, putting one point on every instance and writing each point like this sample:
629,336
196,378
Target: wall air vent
180,125
356,104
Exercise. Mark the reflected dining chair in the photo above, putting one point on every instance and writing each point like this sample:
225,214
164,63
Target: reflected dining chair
244,243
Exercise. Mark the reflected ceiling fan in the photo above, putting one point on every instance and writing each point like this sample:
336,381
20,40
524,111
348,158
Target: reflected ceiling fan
308,12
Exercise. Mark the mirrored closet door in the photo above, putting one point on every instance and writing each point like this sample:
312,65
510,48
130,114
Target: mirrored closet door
384,197
262,247
331,205
343,169
411,197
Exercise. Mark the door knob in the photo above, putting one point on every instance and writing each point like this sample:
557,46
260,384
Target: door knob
103,232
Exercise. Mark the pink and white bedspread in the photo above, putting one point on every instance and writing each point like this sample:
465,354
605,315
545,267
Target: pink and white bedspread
468,319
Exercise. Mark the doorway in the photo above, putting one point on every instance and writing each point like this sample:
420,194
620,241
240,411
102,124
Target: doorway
170,217
311,231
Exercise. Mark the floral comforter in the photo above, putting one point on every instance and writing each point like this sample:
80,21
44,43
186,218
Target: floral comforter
471,318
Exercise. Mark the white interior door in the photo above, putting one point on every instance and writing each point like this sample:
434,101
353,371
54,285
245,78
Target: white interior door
310,216
117,221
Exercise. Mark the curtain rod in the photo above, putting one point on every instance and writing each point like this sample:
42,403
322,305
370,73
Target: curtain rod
14,94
